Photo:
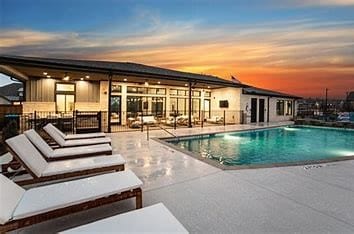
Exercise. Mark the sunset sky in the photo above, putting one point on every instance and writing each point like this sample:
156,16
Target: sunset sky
294,46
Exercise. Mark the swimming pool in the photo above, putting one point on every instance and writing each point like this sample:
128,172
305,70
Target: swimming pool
289,144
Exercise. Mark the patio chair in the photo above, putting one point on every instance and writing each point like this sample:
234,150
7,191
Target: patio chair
153,219
70,143
41,170
20,208
216,119
149,119
75,136
65,153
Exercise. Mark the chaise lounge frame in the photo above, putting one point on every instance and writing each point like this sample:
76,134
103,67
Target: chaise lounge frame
20,223
35,179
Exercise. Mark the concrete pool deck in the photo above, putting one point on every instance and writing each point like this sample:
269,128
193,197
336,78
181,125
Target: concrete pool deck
206,199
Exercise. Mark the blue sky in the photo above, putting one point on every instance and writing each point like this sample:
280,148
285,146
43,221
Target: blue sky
277,44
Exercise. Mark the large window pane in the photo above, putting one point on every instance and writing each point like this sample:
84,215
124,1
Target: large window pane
280,107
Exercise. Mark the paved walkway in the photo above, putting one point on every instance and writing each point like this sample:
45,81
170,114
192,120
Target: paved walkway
205,199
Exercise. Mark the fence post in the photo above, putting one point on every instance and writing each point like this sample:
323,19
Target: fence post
224,117
99,116
202,119
142,121
175,119
147,132
35,120
76,113
73,122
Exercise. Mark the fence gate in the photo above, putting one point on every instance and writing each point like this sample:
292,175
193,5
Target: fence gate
87,122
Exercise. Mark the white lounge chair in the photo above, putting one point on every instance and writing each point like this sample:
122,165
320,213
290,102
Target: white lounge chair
20,207
153,219
65,153
149,119
75,136
41,170
216,119
71,143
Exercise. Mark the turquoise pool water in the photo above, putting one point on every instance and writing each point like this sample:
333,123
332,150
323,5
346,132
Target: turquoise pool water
275,145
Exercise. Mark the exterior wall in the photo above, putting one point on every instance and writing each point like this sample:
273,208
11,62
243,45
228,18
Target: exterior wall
233,96
245,105
42,90
273,110
273,117
30,107
87,92
40,95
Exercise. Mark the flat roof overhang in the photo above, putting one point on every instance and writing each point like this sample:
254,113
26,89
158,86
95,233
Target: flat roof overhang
34,69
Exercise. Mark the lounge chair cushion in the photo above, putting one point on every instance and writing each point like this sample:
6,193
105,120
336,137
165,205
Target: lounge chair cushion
76,136
53,134
63,143
50,197
153,219
80,164
10,196
48,152
28,154
81,150
38,141
89,141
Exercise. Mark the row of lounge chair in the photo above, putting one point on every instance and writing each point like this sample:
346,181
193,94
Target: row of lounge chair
105,181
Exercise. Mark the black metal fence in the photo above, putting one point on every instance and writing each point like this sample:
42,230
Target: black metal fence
91,121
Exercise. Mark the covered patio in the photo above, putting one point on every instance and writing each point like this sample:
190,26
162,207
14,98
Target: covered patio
127,96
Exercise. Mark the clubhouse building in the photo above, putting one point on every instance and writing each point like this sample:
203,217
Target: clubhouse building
126,93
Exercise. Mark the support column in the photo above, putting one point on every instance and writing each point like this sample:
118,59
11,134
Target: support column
190,105
109,101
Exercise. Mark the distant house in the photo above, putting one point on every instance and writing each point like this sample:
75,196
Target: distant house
4,101
12,92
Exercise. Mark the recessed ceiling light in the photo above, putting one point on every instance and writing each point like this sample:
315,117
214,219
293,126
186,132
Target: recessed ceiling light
81,78
158,82
146,83
185,84
208,87
45,73
48,76
125,79
87,77
66,78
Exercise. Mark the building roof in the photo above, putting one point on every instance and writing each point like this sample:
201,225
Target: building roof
118,68
265,92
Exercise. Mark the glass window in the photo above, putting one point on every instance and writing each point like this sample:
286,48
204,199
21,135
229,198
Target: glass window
181,92
65,87
207,94
131,89
196,93
161,91
173,92
152,91
289,108
134,104
280,107
116,88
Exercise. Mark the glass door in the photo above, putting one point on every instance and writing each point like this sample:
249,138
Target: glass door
65,102
206,109
116,110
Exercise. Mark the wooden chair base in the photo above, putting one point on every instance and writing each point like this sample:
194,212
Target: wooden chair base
16,224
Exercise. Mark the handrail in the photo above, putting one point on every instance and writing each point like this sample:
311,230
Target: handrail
147,132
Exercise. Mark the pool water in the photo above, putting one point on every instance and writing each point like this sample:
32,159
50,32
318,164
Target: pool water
276,145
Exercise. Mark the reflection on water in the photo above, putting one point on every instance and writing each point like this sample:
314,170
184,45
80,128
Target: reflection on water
289,144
